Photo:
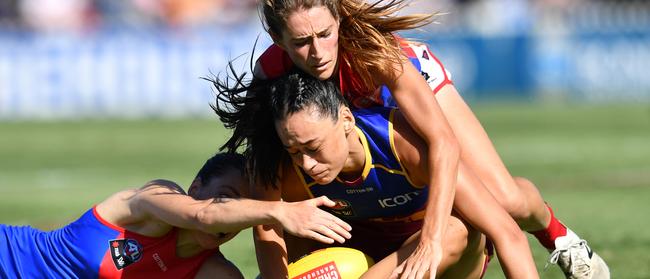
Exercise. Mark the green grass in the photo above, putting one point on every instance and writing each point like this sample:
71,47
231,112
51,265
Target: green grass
591,163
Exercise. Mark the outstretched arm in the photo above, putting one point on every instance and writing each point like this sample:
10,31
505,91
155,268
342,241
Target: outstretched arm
223,214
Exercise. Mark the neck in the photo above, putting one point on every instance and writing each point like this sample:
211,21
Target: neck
190,243
356,159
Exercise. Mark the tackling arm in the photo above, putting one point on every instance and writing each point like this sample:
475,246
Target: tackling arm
421,110
219,215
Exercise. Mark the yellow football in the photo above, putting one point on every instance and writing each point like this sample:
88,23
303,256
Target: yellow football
331,263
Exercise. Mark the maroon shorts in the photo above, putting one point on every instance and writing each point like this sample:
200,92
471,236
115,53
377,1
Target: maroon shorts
380,239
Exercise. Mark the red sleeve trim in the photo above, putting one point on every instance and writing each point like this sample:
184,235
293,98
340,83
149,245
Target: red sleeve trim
444,72
273,63
104,222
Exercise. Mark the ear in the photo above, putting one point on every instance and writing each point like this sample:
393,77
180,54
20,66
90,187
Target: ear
345,115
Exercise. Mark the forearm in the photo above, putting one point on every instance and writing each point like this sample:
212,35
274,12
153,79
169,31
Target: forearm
423,114
230,215
442,188
271,251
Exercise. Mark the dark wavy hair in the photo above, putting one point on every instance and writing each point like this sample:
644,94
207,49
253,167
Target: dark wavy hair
218,164
250,109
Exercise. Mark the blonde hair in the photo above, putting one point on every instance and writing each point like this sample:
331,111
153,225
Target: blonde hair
366,35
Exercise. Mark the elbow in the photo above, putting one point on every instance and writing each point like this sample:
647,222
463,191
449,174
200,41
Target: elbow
448,146
453,147
202,221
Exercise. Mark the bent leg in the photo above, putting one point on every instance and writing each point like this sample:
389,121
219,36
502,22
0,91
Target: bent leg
477,151
518,196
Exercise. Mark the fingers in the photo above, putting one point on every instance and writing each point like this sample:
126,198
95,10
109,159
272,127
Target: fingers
329,229
319,237
415,266
338,231
407,274
324,200
398,270
339,226
420,269
333,232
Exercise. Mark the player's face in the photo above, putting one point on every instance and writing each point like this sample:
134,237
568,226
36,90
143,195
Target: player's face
231,184
317,144
311,38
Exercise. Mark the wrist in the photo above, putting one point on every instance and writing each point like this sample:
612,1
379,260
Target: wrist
430,234
275,212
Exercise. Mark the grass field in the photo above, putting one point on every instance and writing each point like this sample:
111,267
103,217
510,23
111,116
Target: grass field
591,163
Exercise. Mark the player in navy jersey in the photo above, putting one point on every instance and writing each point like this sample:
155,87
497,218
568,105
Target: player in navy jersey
158,231
371,163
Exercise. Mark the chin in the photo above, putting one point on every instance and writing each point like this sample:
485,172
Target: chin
324,180
324,75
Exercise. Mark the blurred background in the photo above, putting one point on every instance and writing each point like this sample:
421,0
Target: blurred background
101,58
101,95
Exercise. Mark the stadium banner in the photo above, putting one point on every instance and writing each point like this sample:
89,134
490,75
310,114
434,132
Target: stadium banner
136,73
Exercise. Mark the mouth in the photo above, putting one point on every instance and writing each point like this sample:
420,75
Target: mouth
316,175
321,67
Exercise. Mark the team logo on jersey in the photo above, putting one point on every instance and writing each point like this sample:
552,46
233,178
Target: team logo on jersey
425,55
124,252
342,207
398,200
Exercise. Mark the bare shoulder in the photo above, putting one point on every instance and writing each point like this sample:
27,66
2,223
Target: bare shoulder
218,264
402,73
122,207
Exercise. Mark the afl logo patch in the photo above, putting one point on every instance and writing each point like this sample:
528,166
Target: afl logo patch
343,208
124,252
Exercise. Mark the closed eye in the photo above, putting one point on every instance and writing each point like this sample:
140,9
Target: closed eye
300,43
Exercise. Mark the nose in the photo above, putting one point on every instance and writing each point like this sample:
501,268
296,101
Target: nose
307,162
315,50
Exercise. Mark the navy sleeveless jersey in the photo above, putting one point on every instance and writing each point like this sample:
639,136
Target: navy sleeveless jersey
384,191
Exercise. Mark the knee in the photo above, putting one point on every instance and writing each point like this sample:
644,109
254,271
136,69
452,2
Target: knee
457,239
514,202
517,203
523,182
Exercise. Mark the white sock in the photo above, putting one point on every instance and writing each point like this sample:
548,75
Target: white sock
563,242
